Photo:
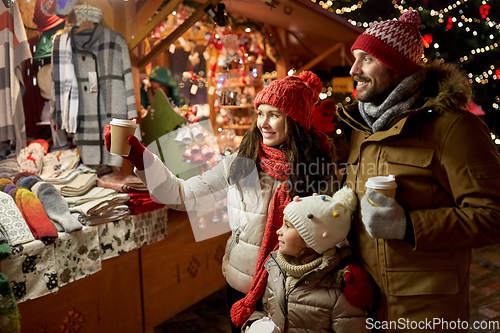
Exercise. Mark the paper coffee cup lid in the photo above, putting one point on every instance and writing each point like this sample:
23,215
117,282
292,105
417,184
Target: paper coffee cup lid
264,325
382,182
123,122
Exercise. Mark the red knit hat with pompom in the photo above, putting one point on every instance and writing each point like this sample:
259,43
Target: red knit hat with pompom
397,44
294,95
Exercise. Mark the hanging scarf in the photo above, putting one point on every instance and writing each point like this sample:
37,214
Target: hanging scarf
400,100
273,162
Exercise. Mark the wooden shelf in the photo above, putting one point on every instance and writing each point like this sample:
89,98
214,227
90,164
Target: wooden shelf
236,127
244,106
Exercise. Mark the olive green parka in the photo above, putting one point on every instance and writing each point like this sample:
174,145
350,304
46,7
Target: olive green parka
448,174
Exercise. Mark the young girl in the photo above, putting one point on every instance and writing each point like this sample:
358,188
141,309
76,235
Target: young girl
305,288
290,158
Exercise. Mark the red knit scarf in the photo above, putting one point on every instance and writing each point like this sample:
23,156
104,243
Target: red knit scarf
273,162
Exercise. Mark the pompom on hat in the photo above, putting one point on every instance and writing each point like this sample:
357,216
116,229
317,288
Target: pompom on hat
397,44
294,95
322,221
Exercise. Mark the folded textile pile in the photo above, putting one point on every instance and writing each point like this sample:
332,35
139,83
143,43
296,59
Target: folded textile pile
122,182
81,185
99,205
9,167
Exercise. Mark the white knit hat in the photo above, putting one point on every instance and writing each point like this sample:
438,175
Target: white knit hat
322,221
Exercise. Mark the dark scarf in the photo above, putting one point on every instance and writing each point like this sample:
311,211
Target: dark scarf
401,99
273,162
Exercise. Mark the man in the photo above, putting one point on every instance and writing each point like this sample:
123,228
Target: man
410,121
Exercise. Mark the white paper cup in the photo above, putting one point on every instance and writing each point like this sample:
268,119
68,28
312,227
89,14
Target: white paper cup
264,325
121,129
385,185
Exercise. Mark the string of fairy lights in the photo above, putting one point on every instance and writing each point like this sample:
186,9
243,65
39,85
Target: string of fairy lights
491,73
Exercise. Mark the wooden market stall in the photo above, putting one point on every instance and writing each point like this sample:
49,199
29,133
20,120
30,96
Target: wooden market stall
139,290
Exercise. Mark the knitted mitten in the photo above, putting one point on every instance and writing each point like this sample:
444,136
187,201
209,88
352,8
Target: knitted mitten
386,220
30,158
12,224
9,312
35,216
359,289
55,207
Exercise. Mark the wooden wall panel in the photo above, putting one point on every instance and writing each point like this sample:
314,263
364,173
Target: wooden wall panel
106,301
178,272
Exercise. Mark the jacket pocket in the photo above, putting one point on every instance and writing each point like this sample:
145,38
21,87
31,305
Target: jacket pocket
412,156
412,283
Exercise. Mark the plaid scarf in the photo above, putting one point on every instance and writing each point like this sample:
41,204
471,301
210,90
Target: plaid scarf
273,162
65,89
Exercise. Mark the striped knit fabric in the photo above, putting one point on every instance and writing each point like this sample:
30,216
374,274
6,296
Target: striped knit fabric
14,51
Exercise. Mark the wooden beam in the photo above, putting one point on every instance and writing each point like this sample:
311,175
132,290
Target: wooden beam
280,39
283,64
146,10
302,44
174,35
155,21
319,58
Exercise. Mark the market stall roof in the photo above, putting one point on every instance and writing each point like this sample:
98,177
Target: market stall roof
312,32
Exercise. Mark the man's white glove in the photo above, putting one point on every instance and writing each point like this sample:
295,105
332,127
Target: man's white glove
386,219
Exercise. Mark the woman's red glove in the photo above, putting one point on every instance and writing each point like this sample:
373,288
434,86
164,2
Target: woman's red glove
137,151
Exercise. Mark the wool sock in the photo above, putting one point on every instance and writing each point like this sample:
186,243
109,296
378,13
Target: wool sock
12,224
9,312
4,182
20,175
28,182
55,207
35,216
8,188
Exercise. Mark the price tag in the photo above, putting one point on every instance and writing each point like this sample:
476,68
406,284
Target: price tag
171,49
194,89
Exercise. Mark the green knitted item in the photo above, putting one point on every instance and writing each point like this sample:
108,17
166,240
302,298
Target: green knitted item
5,251
9,312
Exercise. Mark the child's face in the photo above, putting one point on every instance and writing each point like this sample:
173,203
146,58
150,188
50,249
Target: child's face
290,242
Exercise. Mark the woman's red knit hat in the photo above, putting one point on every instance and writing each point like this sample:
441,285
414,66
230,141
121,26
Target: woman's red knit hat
294,95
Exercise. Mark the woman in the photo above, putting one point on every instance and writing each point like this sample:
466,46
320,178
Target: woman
288,156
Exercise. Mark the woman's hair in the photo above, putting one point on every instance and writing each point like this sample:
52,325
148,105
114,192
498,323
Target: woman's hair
311,164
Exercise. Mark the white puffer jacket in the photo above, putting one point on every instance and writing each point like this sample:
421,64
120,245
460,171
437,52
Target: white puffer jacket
247,214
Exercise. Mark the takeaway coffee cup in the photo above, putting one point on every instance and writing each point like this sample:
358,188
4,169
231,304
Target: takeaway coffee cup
121,129
382,184
264,325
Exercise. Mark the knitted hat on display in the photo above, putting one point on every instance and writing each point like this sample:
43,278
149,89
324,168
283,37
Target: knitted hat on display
322,221
164,76
397,44
43,21
294,95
